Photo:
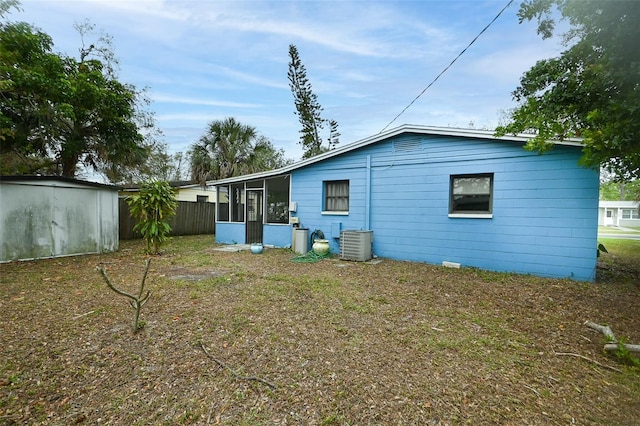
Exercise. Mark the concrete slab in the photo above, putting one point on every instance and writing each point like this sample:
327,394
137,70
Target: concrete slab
233,248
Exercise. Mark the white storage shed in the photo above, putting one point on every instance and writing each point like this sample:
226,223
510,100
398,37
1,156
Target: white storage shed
51,216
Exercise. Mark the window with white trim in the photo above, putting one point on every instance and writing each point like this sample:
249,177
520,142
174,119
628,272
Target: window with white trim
471,195
336,196
630,214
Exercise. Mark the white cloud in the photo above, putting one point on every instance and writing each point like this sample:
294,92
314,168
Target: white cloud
253,78
164,98
186,117
206,60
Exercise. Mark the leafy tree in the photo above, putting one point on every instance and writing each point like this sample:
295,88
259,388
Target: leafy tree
30,76
6,5
592,90
58,113
159,165
614,190
153,207
230,148
264,156
308,109
173,167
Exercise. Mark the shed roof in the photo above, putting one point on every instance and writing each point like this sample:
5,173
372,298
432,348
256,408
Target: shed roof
406,128
42,180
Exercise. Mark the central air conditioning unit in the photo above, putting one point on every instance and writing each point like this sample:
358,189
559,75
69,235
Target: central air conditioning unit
356,245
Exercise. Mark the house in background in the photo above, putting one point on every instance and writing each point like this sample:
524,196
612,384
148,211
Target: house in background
194,192
50,216
619,213
185,191
437,195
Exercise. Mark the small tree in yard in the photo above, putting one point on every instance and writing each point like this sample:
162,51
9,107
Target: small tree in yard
153,207
136,302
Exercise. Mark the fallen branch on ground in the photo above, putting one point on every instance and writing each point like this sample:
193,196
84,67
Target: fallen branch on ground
587,359
604,329
83,315
613,343
235,374
627,346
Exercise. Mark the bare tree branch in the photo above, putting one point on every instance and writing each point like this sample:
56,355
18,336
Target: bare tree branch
587,359
233,373
136,302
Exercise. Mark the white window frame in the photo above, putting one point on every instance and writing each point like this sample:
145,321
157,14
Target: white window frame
470,214
325,197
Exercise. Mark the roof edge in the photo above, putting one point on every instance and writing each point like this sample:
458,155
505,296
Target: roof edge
405,128
40,178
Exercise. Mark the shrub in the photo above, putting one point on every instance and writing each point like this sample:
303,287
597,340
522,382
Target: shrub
153,207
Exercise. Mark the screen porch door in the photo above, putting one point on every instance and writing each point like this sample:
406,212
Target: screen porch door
254,216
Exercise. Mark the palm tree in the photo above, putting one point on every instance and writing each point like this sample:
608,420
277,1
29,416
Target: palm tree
229,149
200,163
222,151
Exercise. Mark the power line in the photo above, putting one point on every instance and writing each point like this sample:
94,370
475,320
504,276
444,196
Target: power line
448,66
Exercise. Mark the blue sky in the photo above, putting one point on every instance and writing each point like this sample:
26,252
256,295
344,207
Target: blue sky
366,60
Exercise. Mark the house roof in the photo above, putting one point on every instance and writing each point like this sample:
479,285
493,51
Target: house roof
59,179
406,128
132,187
619,204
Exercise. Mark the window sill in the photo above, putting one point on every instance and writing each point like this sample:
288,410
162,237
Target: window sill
471,215
336,213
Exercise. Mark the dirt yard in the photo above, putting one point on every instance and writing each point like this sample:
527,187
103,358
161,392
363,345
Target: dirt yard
247,339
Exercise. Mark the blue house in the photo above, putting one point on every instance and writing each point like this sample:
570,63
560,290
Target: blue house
457,197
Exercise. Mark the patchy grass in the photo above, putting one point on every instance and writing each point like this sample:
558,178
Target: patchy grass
622,263
344,342
626,250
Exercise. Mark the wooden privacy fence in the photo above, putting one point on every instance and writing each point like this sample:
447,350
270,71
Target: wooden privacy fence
190,219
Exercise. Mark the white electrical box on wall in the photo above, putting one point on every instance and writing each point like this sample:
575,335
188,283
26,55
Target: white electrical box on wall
293,206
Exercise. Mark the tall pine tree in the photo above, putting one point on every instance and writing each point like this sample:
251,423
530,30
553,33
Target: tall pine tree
308,109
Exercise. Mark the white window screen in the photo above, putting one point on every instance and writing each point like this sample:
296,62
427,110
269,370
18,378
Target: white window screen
336,195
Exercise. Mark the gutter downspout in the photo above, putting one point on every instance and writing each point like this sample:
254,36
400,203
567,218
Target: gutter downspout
367,201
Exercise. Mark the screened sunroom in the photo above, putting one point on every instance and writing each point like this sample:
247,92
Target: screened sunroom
250,209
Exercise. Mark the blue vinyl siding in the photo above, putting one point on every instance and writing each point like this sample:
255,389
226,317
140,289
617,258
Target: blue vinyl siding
544,206
230,233
235,233
277,235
